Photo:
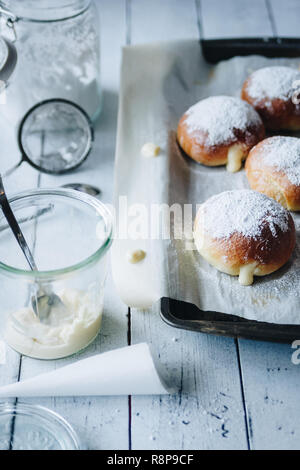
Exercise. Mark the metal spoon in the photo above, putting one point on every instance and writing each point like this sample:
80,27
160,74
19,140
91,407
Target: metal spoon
45,301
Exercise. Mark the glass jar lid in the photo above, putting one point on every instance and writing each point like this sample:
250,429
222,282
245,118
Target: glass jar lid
32,427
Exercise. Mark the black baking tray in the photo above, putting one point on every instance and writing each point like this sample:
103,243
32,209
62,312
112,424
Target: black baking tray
187,316
215,50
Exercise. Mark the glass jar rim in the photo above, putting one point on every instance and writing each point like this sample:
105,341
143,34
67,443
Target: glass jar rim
91,259
44,417
44,12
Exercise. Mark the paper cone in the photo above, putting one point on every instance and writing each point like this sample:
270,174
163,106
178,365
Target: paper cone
126,371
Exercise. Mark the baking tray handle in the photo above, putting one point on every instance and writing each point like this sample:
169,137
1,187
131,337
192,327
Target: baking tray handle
215,50
188,316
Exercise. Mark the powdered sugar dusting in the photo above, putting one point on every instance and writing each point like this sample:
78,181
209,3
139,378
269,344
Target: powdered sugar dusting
218,117
283,153
245,212
272,82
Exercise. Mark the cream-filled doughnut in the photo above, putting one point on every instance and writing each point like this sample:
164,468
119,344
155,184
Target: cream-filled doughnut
273,93
220,130
244,233
273,168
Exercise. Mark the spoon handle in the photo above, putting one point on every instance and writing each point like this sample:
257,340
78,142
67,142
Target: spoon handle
12,221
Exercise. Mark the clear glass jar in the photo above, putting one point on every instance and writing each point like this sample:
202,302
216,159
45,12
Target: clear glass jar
69,234
35,428
58,49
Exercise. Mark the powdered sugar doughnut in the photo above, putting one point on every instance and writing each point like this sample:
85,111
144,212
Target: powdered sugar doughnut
244,233
220,130
273,168
273,93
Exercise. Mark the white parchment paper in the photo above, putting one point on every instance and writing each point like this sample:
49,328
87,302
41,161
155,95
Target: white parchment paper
125,371
159,82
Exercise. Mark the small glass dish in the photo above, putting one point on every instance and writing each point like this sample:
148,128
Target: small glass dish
69,234
32,427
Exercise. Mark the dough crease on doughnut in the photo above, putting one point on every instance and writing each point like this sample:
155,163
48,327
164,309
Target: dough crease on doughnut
244,233
220,130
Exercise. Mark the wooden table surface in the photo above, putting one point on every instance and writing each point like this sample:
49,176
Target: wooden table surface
233,394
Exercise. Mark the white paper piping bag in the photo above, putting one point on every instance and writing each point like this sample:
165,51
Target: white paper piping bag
125,371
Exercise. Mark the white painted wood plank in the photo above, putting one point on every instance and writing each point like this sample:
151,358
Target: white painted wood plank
270,380
163,20
271,383
101,422
24,178
286,16
234,18
207,413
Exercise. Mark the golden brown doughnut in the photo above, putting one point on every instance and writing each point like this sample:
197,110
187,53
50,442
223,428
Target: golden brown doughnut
273,93
244,233
273,168
220,130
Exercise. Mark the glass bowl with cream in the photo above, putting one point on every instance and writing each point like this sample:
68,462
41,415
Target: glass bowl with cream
69,234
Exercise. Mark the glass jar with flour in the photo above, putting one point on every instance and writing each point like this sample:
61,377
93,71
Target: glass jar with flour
58,54
70,234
